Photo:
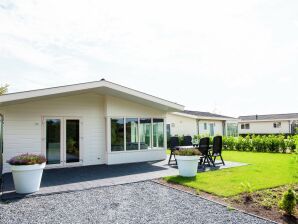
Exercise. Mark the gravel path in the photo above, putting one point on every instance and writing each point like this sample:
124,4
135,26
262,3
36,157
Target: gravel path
143,202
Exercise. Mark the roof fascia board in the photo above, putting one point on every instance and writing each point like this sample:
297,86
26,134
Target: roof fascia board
86,86
204,118
269,120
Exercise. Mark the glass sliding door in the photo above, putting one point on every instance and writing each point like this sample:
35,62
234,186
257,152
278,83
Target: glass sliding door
132,133
158,133
72,136
145,133
53,141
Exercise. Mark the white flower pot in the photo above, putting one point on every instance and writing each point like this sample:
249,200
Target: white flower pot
187,165
27,178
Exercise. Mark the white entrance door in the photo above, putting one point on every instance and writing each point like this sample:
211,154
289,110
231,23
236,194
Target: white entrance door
62,140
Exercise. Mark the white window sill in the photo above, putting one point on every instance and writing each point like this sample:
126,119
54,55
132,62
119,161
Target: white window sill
134,151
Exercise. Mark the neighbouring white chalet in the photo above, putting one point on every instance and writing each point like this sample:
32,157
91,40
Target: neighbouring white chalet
269,124
85,124
192,123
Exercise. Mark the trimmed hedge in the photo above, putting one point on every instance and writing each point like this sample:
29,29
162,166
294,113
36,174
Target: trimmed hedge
255,143
265,143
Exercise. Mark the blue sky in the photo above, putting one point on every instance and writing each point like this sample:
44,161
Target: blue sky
230,57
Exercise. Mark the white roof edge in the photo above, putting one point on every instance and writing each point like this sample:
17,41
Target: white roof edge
204,118
85,86
269,120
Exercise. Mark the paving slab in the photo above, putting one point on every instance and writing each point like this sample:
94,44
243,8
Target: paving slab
88,177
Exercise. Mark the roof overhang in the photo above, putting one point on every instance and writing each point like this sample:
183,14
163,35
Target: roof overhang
102,87
204,117
268,120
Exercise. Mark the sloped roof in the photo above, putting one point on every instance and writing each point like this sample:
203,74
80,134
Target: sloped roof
102,87
270,117
205,114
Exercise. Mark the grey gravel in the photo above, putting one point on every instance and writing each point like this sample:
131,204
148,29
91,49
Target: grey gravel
142,202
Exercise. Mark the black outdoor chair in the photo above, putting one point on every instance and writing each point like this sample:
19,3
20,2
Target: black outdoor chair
187,141
174,142
204,149
217,148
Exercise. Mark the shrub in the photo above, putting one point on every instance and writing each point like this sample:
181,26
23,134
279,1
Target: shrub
290,143
187,152
228,142
247,190
239,143
288,202
258,143
27,159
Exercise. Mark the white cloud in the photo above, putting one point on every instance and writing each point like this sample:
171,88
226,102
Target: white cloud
233,55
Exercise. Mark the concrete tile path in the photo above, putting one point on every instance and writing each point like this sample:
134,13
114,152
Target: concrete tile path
89,177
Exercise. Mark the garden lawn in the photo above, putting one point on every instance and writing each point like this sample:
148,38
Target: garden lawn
266,170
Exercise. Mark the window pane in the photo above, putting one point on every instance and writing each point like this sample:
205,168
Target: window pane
145,133
132,138
232,129
117,134
53,141
158,133
72,141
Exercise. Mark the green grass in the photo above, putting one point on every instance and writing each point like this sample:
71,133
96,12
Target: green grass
266,170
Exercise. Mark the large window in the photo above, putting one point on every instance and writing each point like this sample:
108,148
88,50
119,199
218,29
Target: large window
145,133
132,136
117,134
158,133
232,129
129,134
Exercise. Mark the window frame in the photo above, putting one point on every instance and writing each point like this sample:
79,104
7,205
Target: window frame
277,124
163,131
245,126
109,145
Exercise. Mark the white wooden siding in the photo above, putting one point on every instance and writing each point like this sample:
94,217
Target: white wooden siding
264,127
23,125
218,127
23,128
181,125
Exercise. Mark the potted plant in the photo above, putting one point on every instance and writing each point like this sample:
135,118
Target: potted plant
187,160
27,172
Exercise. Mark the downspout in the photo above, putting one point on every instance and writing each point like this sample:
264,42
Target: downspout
1,152
1,132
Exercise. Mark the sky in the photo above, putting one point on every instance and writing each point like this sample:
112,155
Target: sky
229,57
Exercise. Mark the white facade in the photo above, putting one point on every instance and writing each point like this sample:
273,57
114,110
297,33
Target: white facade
25,120
184,124
265,127
206,126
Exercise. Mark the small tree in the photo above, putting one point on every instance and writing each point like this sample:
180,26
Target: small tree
3,89
288,202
